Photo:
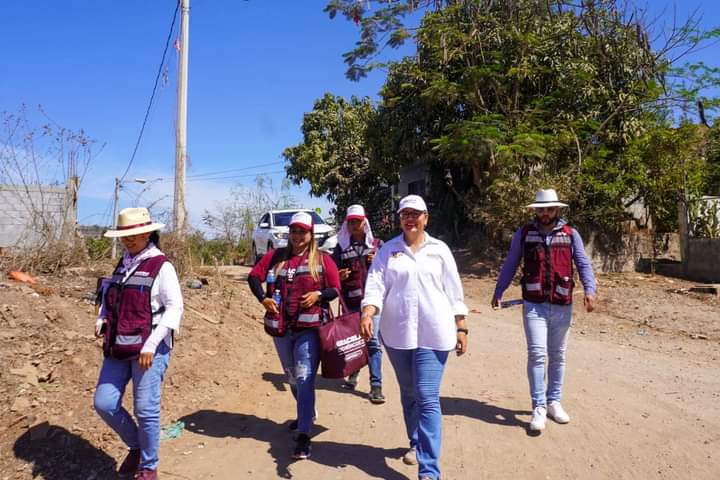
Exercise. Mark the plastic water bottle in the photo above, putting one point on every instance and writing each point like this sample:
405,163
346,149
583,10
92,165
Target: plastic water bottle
270,279
276,297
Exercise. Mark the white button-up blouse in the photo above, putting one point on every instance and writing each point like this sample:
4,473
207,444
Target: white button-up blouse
418,294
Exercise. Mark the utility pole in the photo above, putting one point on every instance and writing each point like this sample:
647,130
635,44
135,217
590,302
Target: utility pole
114,216
181,127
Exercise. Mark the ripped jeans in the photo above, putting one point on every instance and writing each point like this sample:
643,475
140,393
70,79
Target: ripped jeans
299,353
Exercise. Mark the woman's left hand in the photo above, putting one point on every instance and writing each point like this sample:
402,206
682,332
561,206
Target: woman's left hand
461,345
309,299
145,360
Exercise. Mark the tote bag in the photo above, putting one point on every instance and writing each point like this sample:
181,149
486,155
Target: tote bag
342,350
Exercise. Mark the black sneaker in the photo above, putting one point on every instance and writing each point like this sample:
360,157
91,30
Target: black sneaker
293,426
376,395
302,447
351,382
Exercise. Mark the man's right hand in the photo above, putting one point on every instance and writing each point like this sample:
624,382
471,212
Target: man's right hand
270,306
344,274
495,302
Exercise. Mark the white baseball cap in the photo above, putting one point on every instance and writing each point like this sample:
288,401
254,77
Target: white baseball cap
302,219
355,212
412,201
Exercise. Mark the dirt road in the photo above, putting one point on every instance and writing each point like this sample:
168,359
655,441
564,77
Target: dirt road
642,387
642,406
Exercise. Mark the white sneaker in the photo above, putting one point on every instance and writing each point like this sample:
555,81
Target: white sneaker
557,413
538,419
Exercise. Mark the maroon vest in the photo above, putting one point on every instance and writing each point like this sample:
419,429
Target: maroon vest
353,288
128,311
294,280
547,269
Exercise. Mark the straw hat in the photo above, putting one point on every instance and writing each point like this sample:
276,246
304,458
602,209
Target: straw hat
133,221
546,198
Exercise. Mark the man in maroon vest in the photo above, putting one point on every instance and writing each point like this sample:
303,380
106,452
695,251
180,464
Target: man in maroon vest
548,248
353,254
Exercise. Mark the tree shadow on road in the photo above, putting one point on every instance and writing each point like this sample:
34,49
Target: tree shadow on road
330,384
371,460
57,454
484,411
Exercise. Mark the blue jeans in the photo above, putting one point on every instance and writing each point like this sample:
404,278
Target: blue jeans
374,356
419,373
546,331
147,389
299,353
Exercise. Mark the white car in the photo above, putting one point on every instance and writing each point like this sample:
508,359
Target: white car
272,232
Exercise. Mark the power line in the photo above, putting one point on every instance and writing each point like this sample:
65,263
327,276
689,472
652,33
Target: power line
240,169
154,90
224,177
231,177
231,170
223,173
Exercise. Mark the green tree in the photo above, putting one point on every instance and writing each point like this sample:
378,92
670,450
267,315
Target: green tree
713,158
668,167
335,155
517,94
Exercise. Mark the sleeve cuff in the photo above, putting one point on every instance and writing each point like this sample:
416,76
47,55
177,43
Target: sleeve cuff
372,303
460,309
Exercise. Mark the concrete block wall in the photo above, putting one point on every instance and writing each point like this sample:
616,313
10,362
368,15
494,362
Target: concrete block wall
26,212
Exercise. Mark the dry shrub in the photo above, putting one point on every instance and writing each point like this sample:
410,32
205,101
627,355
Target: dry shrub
178,251
48,260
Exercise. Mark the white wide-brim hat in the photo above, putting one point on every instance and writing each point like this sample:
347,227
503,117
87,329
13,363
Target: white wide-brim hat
133,221
546,198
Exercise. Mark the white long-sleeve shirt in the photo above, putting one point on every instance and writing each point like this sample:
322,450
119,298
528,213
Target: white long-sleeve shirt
418,294
165,292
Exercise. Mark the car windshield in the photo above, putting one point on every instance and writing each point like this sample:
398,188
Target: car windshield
282,219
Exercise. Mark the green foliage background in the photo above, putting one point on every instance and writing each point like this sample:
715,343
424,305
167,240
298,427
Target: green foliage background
504,97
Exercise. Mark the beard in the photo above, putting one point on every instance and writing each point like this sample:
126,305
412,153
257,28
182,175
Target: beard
545,220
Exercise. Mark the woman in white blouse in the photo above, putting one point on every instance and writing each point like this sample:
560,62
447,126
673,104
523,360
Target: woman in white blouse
414,284
142,307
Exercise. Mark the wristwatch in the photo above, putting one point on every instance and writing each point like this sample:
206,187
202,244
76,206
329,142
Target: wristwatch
463,330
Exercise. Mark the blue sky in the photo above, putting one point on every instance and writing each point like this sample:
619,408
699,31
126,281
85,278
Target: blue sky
255,67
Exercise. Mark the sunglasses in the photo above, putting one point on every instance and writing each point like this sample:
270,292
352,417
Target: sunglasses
545,209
